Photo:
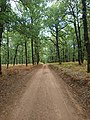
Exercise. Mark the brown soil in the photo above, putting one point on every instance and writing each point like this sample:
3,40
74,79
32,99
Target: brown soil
12,84
79,84
37,94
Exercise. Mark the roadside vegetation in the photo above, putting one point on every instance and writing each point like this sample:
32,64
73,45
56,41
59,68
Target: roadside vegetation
77,79
13,83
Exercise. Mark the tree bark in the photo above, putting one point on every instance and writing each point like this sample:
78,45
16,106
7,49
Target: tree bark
1,31
0,55
37,50
15,55
73,50
63,55
57,46
32,50
79,35
76,32
7,50
80,45
86,36
22,54
38,57
32,45
2,9
26,52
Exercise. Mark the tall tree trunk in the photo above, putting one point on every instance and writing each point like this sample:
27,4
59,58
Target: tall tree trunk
7,50
76,32
73,50
86,37
66,52
2,9
22,54
37,51
1,31
32,45
57,46
15,54
32,50
63,54
0,55
26,52
79,42
79,33
37,58
38,55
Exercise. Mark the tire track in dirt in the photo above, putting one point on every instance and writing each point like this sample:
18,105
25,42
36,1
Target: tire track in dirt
44,99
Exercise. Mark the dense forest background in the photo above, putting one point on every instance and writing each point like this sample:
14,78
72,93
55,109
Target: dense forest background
33,31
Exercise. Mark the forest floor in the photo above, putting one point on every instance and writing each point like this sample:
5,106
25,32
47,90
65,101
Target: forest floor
38,93
12,84
78,80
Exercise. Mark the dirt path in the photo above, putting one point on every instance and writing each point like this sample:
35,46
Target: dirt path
45,99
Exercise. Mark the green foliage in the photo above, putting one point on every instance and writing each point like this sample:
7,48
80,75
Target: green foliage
34,19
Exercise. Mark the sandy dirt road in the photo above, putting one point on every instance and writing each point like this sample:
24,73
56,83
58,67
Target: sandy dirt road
45,99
